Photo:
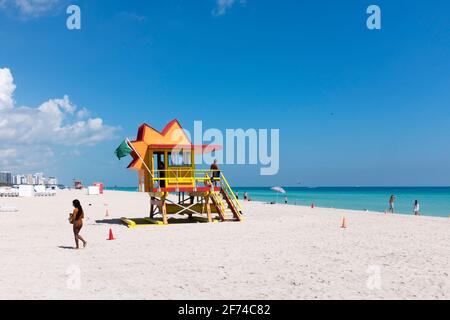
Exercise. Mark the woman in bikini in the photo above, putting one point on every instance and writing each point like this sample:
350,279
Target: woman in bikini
77,218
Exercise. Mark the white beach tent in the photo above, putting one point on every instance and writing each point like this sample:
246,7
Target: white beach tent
39,189
26,191
93,190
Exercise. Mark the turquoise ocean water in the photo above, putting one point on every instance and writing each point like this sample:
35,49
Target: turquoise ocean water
434,201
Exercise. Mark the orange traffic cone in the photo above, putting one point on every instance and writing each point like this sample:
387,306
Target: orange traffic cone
344,223
312,205
111,237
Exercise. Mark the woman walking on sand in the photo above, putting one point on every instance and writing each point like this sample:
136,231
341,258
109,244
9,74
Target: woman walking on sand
416,208
391,203
77,220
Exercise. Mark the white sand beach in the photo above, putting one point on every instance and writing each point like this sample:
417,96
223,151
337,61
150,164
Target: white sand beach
278,252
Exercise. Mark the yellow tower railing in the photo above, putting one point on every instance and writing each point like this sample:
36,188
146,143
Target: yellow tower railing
189,177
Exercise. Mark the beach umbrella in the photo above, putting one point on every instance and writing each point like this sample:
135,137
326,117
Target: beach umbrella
278,190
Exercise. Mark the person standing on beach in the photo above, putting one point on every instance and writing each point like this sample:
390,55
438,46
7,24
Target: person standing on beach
416,208
77,220
391,203
162,174
215,173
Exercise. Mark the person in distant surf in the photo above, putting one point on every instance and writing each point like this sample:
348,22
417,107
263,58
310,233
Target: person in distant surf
77,221
245,196
416,208
285,200
391,203
215,172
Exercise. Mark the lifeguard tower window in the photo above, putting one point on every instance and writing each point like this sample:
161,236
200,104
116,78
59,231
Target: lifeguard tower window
180,159
158,159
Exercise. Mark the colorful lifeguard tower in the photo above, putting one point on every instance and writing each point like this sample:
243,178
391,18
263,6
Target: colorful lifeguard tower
165,162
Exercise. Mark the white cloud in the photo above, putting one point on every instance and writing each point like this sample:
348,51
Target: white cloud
83,113
56,122
7,88
21,157
29,7
223,5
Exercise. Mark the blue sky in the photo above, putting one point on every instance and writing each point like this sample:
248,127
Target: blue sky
354,106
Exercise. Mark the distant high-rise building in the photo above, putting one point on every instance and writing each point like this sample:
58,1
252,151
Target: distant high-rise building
17,179
39,178
30,179
5,177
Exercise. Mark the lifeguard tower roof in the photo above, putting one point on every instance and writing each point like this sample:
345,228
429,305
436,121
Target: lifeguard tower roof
171,137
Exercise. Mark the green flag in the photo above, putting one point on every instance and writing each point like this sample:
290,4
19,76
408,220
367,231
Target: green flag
123,150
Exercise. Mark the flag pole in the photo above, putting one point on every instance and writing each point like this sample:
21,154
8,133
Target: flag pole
131,146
